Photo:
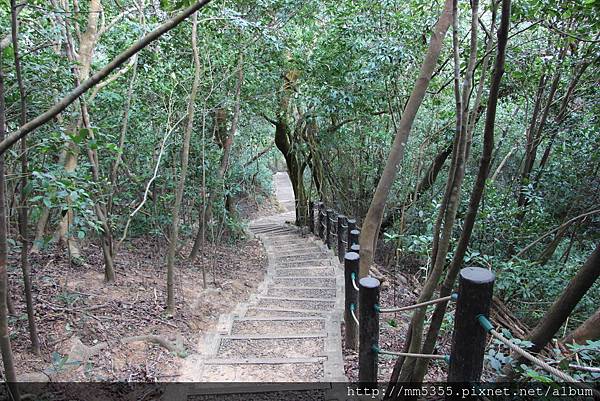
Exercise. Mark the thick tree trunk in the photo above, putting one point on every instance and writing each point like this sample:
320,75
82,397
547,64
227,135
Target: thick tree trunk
560,310
185,152
589,330
40,230
370,227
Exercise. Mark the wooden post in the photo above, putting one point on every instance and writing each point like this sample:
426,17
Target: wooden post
351,261
311,218
321,220
355,248
328,236
341,248
353,238
475,291
368,298
351,226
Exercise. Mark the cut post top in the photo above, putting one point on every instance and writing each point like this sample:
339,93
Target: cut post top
369,282
477,275
351,256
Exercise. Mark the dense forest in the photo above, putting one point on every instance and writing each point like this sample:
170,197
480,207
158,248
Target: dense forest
457,133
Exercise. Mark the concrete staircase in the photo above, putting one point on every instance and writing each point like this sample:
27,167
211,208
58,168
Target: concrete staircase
289,330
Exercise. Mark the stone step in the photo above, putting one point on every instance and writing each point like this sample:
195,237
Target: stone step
277,235
305,272
307,282
302,292
257,372
261,312
304,263
295,249
296,304
283,327
298,256
281,235
287,239
262,361
272,229
310,346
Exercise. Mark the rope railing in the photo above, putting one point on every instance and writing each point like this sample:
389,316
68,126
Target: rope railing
353,275
452,297
468,344
352,311
377,350
487,326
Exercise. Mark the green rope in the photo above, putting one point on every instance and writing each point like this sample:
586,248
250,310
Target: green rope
377,350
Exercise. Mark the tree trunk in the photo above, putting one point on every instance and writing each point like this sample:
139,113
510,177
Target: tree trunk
453,191
423,185
560,310
5,347
589,330
23,204
476,194
185,152
227,144
551,247
535,137
40,230
370,227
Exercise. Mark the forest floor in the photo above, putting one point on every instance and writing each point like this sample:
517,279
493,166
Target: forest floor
93,331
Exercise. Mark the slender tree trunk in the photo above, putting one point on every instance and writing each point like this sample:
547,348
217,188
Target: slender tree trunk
453,191
23,205
476,194
224,165
535,137
5,347
185,152
80,73
424,184
588,330
551,247
370,227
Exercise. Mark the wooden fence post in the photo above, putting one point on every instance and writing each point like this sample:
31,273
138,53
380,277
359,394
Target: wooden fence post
475,292
368,298
321,220
351,226
341,248
328,236
355,248
311,216
351,261
353,238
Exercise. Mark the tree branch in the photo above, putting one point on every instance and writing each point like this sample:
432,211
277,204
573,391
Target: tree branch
43,118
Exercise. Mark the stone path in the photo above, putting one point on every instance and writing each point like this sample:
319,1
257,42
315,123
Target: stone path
289,330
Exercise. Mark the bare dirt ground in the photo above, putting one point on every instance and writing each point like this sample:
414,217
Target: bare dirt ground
89,329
